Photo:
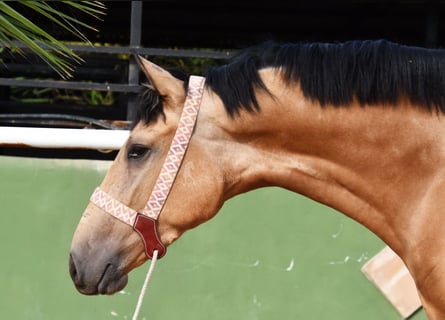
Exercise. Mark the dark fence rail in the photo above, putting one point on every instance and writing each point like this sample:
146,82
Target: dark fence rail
96,74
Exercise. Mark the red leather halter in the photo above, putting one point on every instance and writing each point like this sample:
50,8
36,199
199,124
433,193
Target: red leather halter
146,221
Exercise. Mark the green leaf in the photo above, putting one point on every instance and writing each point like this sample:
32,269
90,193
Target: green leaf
15,26
65,21
58,64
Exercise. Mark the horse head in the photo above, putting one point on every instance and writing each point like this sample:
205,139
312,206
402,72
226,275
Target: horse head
104,250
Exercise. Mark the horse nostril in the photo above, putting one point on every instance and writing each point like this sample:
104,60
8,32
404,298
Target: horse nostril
78,277
73,269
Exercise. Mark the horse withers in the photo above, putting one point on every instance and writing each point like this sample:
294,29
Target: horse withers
358,126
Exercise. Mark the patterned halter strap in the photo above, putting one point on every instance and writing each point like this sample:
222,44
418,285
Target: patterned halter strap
145,222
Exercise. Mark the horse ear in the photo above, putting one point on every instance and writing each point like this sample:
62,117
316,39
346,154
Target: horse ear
168,86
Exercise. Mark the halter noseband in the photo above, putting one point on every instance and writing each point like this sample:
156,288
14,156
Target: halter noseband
146,222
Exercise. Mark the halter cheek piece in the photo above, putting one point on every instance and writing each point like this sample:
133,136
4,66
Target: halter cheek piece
145,223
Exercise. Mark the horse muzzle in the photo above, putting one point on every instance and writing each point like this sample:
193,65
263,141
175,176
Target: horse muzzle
95,276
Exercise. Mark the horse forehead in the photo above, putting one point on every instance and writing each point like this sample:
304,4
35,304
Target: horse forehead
162,127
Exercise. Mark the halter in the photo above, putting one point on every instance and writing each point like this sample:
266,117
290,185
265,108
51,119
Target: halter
145,223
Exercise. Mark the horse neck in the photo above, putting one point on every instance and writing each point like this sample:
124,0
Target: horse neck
372,163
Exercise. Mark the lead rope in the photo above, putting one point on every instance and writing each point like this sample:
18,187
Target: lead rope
145,285
160,192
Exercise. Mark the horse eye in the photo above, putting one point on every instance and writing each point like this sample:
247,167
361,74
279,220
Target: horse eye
137,151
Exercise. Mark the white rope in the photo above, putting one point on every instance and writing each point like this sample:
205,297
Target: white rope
144,286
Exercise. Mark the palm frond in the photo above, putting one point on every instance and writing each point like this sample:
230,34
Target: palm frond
15,26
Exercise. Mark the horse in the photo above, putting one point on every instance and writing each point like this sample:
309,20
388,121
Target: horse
358,126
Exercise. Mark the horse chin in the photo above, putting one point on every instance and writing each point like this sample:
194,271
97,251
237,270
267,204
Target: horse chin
112,281
104,288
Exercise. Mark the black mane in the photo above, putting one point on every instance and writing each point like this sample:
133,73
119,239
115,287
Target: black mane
372,72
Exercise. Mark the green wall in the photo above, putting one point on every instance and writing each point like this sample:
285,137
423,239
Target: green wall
269,254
